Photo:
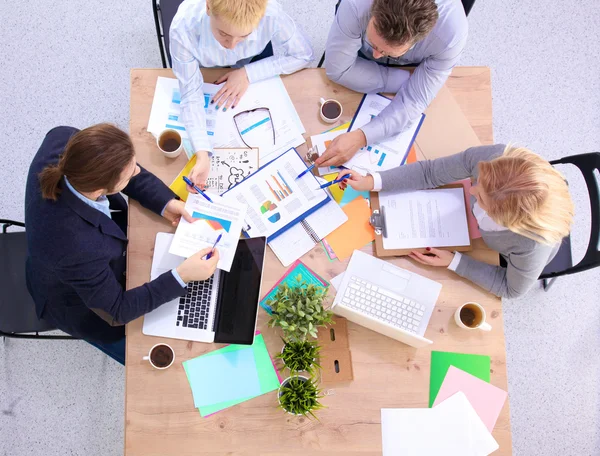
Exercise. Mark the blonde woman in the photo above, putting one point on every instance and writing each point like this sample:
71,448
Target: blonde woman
521,203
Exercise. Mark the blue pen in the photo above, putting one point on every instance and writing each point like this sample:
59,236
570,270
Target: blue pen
191,184
213,247
336,181
307,170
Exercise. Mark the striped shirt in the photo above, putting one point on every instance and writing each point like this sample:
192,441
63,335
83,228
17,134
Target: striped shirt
192,45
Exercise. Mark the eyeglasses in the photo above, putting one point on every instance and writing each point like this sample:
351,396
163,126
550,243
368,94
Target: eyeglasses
255,127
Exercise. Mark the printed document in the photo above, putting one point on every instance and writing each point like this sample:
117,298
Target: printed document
220,217
425,218
387,154
275,198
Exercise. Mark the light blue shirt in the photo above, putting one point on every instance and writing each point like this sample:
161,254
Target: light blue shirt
435,56
103,205
193,45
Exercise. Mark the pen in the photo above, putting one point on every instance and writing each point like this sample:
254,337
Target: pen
213,247
191,184
307,170
336,181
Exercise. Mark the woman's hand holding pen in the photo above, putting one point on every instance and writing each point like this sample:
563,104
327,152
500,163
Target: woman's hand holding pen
356,180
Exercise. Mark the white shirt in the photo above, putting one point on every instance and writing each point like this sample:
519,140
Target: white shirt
193,45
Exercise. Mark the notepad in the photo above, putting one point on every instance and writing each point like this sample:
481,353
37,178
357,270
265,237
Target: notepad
477,365
289,278
355,233
486,399
301,238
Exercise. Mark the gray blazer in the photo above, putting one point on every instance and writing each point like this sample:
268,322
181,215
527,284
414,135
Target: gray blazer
525,257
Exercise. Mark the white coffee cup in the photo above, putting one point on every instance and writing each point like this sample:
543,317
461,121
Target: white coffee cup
326,106
170,143
476,313
154,363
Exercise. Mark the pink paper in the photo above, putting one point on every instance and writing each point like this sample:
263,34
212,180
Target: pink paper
473,225
486,399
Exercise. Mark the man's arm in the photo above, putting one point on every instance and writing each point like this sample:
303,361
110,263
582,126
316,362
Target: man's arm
187,71
94,281
149,191
342,63
291,52
414,96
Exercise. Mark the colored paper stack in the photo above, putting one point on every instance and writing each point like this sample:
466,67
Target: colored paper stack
231,375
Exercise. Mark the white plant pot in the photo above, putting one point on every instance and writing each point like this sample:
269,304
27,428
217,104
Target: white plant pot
285,365
279,392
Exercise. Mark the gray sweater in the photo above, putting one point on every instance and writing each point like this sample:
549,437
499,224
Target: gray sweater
525,257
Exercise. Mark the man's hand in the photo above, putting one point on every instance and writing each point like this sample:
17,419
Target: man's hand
174,210
434,257
236,84
357,181
199,172
196,267
342,148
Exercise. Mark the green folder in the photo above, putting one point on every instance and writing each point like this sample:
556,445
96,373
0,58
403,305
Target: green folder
477,365
267,375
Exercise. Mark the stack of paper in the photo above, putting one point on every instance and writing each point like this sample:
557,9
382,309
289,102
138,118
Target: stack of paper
231,375
451,429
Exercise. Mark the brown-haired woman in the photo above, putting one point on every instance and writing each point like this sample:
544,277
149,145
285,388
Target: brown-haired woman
76,223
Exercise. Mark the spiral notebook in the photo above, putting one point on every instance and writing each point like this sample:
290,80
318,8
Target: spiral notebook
303,236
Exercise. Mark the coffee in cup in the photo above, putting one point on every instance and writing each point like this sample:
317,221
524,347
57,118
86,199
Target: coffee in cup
170,143
471,316
331,110
160,356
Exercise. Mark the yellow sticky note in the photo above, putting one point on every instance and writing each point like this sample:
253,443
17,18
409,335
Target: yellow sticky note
343,127
335,189
355,233
178,185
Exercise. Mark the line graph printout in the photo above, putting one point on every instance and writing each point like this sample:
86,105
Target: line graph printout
224,218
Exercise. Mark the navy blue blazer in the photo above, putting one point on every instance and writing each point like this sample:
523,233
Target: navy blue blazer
76,254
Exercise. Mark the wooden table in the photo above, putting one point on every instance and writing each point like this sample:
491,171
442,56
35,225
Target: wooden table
160,414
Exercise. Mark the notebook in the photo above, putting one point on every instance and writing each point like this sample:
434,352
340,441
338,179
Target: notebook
276,200
302,237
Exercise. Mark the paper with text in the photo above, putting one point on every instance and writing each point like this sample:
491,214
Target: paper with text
425,218
220,217
273,196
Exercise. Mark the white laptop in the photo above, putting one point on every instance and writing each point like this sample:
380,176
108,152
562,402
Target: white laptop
221,309
387,299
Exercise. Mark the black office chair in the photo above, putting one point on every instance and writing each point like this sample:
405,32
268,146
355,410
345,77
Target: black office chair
18,318
467,5
164,12
562,263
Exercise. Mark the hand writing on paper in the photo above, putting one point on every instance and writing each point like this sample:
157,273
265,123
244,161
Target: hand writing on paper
357,181
200,171
236,84
342,148
174,210
434,257
196,268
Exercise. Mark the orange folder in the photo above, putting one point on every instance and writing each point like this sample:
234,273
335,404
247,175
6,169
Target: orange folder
355,233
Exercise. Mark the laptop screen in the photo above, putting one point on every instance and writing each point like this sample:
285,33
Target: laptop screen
239,293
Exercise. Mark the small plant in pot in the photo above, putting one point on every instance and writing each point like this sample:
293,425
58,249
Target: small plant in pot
300,356
298,310
300,396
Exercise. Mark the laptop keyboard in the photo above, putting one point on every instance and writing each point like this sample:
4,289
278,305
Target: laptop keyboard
383,304
195,305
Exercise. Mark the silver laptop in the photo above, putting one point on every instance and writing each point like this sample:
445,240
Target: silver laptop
222,309
387,299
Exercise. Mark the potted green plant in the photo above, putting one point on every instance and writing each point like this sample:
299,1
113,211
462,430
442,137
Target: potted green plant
299,310
300,396
300,356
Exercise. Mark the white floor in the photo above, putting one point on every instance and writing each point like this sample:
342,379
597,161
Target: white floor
68,63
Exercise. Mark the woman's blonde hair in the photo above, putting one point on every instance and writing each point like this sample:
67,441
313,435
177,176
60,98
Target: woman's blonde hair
245,14
527,195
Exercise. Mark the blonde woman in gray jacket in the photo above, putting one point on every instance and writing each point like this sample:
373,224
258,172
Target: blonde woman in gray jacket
521,203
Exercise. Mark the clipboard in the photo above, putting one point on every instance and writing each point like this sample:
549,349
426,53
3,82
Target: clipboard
378,222
248,224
